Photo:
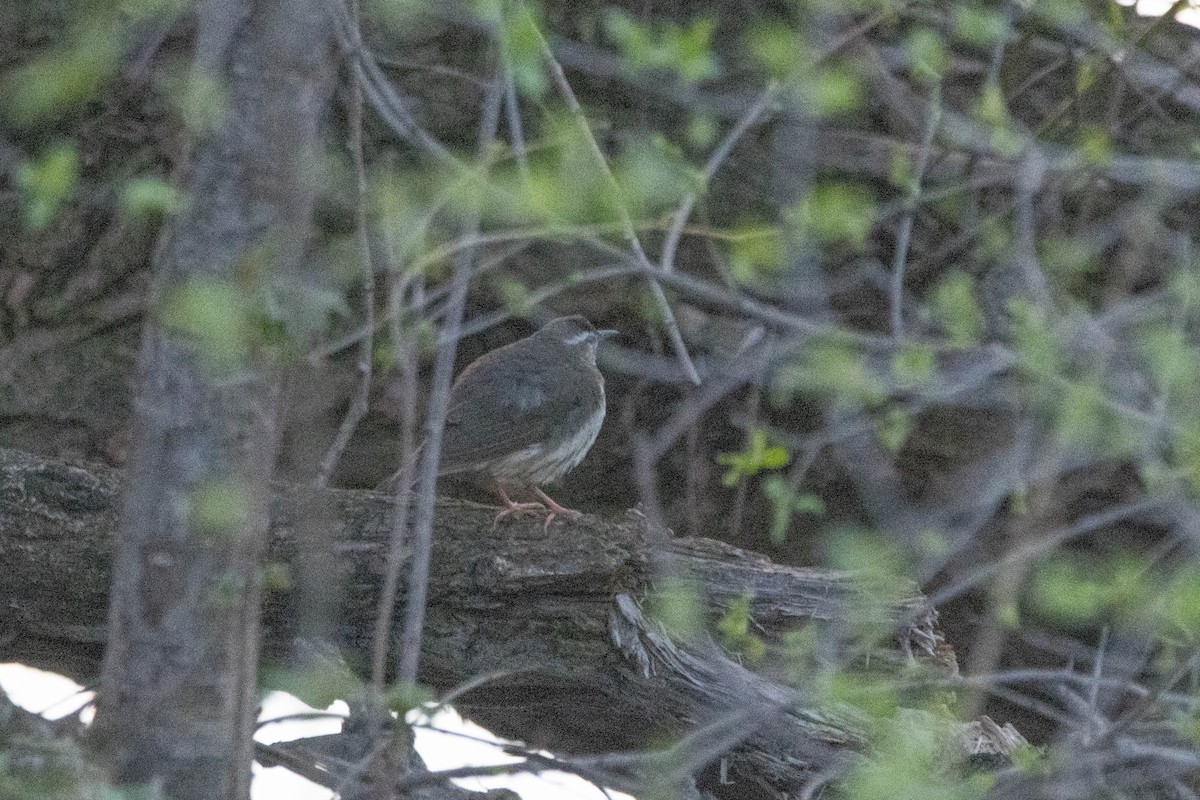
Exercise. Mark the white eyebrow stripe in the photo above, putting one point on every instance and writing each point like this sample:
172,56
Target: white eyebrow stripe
577,338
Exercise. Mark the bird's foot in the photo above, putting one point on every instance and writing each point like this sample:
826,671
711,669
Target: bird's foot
512,507
555,509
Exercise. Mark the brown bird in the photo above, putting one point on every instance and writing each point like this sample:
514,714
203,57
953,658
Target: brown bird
528,412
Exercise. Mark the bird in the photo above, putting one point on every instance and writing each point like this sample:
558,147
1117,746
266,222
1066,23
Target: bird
528,412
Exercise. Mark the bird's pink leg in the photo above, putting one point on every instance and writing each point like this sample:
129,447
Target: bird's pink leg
555,508
512,507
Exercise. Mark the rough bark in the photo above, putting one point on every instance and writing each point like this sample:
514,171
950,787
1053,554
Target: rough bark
554,617
179,675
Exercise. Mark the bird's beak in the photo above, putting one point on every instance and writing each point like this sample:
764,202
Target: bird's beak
606,333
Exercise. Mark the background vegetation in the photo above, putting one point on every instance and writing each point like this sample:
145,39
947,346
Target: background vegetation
904,288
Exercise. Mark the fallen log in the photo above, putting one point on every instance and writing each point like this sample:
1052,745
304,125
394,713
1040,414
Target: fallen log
557,618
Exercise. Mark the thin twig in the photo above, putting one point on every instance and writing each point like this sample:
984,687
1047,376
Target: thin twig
512,113
1030,175
379,90
391,316
1114,62
666,260
900,257
407,354
273,756
415,780
1145,703
630,232
1046,543
439,395
474,683
1098,671
993,75
362,392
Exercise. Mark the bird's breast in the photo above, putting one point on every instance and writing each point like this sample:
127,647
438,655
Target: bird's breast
548,461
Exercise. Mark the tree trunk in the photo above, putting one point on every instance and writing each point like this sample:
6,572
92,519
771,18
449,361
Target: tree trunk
177,702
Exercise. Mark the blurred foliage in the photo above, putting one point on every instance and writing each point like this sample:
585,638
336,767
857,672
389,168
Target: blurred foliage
834,369
735,633
217,317
219,507
685,50
47,183
1122,588
835,213
677,603
151,196
1053,229
909,764
318,686
787,501
757,456
81,63
954,306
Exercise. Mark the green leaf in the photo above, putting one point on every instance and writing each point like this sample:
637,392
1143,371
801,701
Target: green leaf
1095,145
1172,361
660,46
757,456
832,367
836,213
954,307
277,577
927,55
48,182
979,26
907,761
1034,339
701,131
834,90
778,48
756,251
785,503
53,83
1089,68
516,296
215,317
734,627
892,431
151,196
914,364
677,603
318,686
991,109
1079,590
653,175
219,505
404,697
521,42
1185,446
1068,257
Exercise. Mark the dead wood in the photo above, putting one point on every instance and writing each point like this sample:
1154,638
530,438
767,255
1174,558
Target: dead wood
557,617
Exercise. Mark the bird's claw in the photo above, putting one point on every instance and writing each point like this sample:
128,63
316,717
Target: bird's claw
566,512
547,506
517,508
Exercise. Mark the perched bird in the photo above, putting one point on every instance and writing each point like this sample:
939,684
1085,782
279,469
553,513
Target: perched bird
528,412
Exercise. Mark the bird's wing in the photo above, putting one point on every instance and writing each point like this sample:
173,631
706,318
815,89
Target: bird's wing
494,411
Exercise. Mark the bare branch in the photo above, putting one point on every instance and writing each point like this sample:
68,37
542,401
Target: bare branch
900,256
439,394
362,391
631,237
